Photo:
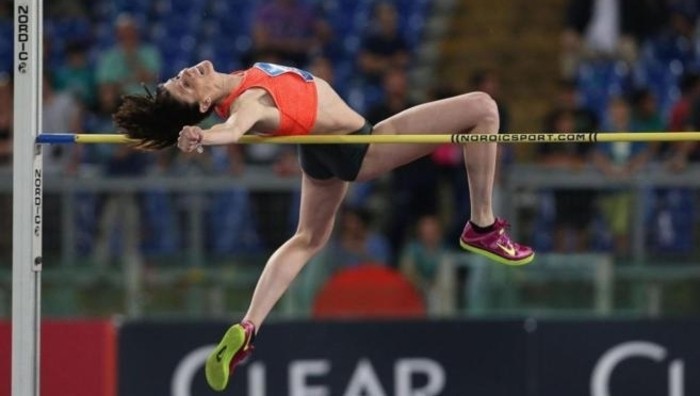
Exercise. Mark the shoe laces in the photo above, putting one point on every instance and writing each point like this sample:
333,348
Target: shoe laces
503,223
504,238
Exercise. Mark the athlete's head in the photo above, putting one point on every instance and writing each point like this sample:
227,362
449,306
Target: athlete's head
156,120
196,85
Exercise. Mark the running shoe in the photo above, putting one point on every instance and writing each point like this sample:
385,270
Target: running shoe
496,245
234,348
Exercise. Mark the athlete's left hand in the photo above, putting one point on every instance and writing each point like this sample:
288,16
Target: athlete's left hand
190,139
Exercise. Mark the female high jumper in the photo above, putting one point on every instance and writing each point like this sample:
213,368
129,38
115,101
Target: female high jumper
276,100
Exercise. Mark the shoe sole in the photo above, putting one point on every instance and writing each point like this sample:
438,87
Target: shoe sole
217,368
495,257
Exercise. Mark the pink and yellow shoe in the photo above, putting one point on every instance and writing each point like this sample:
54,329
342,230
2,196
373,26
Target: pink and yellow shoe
234,348
496,245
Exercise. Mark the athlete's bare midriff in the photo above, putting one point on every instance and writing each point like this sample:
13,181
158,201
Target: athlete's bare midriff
334,115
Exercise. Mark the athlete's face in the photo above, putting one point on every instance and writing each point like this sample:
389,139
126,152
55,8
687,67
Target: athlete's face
194,84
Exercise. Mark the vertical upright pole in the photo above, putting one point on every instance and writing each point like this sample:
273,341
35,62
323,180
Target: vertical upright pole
27,199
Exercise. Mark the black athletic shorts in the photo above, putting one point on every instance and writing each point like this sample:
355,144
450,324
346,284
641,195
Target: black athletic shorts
325,161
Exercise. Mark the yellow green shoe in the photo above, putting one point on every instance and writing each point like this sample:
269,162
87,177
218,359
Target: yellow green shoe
234,348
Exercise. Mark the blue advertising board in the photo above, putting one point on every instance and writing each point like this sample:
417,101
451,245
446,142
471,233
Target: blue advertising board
331,358
422,358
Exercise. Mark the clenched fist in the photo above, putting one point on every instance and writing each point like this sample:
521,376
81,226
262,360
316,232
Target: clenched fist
190,139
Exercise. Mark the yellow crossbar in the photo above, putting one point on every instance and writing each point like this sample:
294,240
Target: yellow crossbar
591,137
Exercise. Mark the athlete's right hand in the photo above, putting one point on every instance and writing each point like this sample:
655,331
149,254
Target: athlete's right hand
190,139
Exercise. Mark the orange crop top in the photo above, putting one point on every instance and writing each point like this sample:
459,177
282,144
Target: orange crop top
292,90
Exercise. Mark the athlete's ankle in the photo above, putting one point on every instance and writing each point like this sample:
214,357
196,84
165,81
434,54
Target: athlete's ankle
482,221
482,229
250,327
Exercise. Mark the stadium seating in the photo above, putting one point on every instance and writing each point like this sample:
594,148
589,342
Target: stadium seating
186,31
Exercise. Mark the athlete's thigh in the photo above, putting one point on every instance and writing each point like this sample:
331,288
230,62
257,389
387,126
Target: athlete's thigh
320,200
453,115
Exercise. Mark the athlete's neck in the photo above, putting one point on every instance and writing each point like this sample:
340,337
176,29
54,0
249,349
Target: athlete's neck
225,83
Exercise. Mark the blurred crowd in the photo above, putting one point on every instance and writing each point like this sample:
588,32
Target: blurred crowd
88,69
626,65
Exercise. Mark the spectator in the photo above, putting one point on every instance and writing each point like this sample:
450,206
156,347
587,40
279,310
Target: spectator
573,209
396,98
413,186
271,206
680,118
100,120
231,222
61,114
608,29
286,31
422,263
568,99
76,75
685,116
646,116
676,39
130,62
618,161
356,242
6,109
383,48
322,67
120,210
666,212
325,39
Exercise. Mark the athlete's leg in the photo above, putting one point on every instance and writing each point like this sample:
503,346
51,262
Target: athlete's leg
474,112
470,113
320,200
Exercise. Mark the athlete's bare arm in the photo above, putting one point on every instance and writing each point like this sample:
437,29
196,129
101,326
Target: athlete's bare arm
253,112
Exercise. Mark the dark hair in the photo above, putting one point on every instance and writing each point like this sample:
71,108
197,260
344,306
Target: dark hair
155,121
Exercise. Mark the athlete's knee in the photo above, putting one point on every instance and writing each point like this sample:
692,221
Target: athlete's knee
488,109
312,241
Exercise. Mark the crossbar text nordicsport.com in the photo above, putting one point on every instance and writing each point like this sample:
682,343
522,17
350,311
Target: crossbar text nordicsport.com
530,137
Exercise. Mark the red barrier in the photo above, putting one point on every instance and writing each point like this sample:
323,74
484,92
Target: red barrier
78,358
5,357
368,291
